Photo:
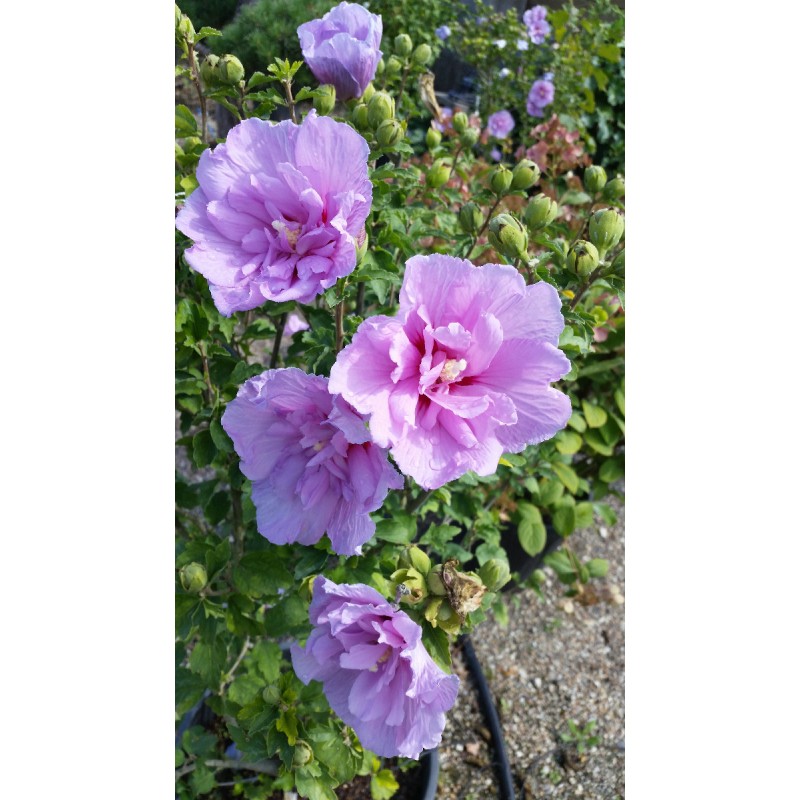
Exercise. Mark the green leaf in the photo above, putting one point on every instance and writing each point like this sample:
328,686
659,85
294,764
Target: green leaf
577,422
313,787
287,724
564,518
584,515
561,564
595,416
311,561
189,689
331,751
261,573
220,438
268,657
383,785
202,780
185,123
568,442
566,475
203,449
208,660
598,444
401,529
597,567
437,536
244,689
572,197
610,52
550,492
530,529
217,507
619,398
437,644
612,470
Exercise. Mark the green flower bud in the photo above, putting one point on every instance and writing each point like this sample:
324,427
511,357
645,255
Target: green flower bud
614,190
525,174
209,70
422,55
508,236
380,69
303,754
362,242
178,15
470,137
470,218
606,227
433,138
184,30
500,178
389,133
432,609
379,108
393,66
583,258
271,695
539,577
460,122
594,179
403,44
495,574
326,100
447,619
435,583
230,70
361,117
193,577
540,212
368,92
439,173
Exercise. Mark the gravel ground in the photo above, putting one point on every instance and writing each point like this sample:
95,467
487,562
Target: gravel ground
558,660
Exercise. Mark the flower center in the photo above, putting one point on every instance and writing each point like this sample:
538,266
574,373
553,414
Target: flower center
452,369
292,234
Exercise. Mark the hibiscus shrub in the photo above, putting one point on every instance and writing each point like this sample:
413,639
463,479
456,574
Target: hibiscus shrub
393,362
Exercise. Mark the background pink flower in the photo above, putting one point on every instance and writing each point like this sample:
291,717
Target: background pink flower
462,373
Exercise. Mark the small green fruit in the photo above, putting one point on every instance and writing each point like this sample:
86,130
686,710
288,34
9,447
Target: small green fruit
209,70
193,577
393,66
230,70
433,138
508,236
500,178
403,44
525,174
594,179
366,96
389,133
540,212
614,190
583,258
470,137
361,117
470,218
303,754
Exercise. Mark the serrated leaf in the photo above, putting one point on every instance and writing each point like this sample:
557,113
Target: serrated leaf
331,751
244,689
287,724
267,657
383,785
313,787
185,122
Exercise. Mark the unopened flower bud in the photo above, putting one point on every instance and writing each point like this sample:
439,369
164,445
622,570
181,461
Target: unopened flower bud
606,227
209,70
414,587
389,133
361,117
470,137
419,560
525,174
178,15
230,70
326,99
460,122
432,608
495,574
540,212
500,178
435,583
366,95
362,242
403,44
614,190
583,258
381,68
184,30
303,753
422,55
447,619
379,108
594,179
508,236
193,577
433,138
438,174
470,218
393,65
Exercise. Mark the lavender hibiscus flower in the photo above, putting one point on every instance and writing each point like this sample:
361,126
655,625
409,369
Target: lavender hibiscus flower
311,460
540,95
278,211
375,671
535,20
343,48
500,124
462,373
